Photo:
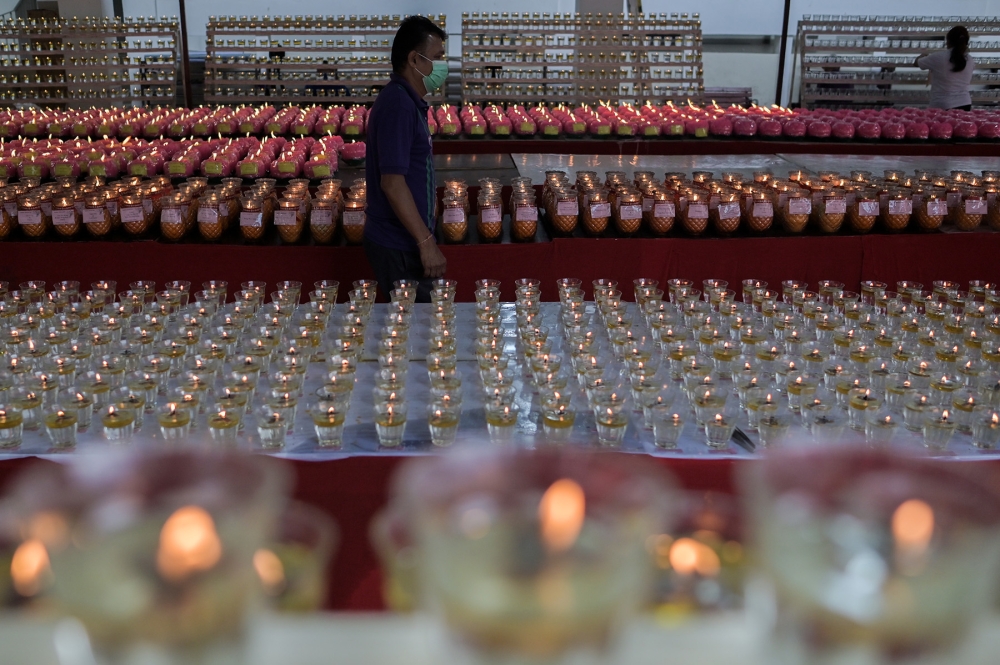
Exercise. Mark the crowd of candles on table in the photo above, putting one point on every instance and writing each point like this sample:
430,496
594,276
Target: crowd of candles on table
878,362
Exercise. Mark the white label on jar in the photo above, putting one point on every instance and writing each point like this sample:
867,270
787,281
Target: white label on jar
698,211
900,207
975,207
147,205
64,217
490,215
112,207
29,217
763,209
868,208
453,216
836,206
525,213
599,210
248,218
647,203
135,214
47,208
11,208
207,216
954,198
937,208
285,217
320,217
170,216
567,207
799,206
729,210
664,209
630,212
354,217
97,215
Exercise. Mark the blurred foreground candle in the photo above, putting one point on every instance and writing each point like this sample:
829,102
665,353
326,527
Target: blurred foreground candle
934,524
556,519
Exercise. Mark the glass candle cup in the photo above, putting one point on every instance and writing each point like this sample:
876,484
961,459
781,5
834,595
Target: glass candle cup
390,423
174,421
118,424
442,418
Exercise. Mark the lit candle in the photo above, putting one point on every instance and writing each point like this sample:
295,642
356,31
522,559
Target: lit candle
174,421
119,424
61,427
939,425
223,425
718,430
985,428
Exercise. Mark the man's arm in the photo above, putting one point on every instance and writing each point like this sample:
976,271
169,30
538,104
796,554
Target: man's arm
401,200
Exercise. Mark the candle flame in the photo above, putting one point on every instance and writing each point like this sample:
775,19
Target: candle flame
561,513
913,525
270,570
189,544
29,567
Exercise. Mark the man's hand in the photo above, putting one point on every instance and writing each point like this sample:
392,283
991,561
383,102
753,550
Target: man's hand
433,260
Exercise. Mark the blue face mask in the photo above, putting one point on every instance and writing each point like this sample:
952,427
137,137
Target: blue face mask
439,72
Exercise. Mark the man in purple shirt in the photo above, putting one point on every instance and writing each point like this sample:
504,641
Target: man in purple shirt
399,233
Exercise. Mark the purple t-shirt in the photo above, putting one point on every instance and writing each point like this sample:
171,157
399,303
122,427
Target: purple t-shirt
399,143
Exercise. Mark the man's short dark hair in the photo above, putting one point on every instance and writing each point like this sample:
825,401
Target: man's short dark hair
413,33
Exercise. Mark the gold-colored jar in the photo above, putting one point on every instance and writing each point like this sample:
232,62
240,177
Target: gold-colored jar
490,223
596,210
796,211
694,212
830,211
627,211
30,217
65,217
898,210
726,216
454,220
323,218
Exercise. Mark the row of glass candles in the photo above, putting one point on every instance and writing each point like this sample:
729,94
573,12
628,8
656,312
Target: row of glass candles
877,361
107,359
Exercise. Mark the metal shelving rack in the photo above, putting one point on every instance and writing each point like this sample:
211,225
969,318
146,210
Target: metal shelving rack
858,61
581,58
300,59
79,63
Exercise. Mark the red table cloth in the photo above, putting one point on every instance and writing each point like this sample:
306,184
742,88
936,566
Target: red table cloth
849,259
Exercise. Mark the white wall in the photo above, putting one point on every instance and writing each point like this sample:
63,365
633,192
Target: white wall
743,70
